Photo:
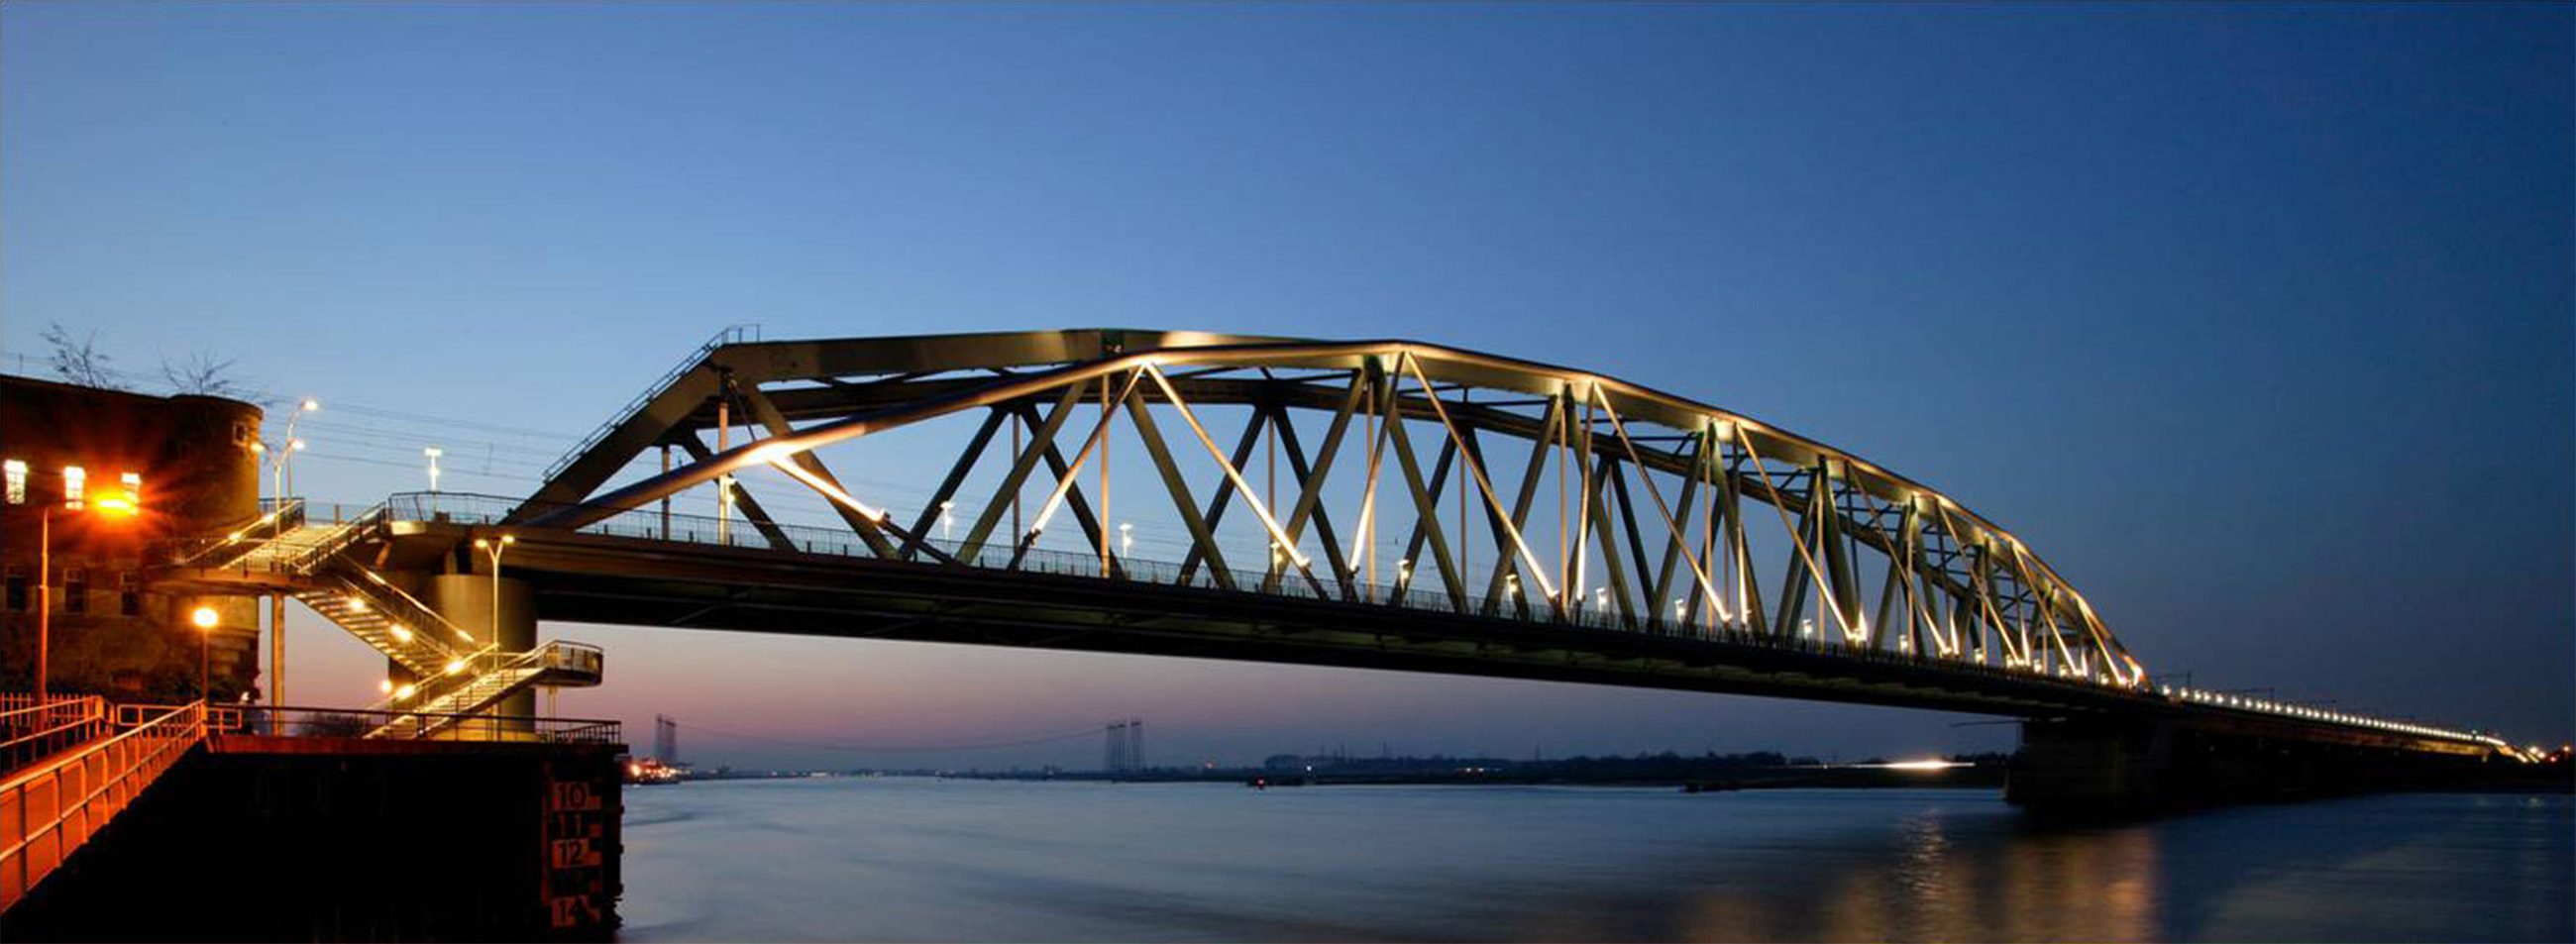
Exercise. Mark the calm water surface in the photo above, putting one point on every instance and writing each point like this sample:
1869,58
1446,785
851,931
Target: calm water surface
931,860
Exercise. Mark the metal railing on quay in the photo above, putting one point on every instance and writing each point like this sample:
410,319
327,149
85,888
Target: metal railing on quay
32,729
49,810
321,722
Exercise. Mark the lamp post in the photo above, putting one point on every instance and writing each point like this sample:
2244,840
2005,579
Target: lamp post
493,549
280,476
280,479
113,506
433,452
947,520
1126,538
205,618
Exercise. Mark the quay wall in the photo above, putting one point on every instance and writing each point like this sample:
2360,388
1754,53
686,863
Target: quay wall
336,839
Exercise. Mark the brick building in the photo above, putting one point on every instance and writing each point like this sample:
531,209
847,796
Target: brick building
117,473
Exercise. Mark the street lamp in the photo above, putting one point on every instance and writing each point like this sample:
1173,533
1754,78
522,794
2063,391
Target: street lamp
280,477
112,506
433,452
1126,538
205,618
946,519
494,550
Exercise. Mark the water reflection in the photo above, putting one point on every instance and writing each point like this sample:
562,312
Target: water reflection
1927,883
945,861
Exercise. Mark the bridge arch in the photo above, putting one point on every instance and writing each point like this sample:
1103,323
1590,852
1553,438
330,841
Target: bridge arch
1672,516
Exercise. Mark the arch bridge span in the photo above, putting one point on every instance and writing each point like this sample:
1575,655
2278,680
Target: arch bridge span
1378,503
1658,499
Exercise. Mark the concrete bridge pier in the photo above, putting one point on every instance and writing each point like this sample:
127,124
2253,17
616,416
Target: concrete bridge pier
2117,766
466,600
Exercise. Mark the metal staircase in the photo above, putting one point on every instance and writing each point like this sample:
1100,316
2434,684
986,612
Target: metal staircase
386,618
494,676
455,674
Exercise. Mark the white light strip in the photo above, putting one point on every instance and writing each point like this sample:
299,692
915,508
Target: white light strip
1476,468
833,492
1259,508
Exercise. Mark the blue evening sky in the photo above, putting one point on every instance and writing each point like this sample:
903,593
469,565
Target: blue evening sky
2256,320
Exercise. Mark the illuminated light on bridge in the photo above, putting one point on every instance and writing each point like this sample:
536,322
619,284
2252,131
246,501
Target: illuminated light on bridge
1930,764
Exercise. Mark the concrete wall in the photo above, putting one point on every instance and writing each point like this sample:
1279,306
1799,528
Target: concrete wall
327,839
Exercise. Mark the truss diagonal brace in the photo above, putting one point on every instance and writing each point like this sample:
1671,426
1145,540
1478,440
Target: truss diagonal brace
1311,479
956,476
766,413
742,499
1202,539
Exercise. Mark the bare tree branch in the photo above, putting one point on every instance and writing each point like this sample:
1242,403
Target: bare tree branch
80,361
202,373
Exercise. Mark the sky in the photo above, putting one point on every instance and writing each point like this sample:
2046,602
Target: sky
2259,322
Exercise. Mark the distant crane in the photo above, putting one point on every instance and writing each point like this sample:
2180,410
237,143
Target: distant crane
666,740
1123,753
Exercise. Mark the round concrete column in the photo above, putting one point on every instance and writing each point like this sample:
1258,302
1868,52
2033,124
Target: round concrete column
466,600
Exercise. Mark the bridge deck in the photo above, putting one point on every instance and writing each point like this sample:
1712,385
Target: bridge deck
625,573
644,581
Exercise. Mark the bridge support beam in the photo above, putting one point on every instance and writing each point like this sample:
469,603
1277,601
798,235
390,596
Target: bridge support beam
2106,766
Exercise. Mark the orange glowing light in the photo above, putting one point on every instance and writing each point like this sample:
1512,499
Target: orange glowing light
116,505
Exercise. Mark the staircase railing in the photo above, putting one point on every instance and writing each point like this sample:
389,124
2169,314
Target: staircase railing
732,334
467,668
411,609
331,543
554,655
48,812
283,515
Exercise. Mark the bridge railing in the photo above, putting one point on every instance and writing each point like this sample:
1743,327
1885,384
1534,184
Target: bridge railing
650,523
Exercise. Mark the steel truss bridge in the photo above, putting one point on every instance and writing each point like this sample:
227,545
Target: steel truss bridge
1327,500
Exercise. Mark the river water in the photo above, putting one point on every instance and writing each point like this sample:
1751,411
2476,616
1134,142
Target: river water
931,860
